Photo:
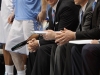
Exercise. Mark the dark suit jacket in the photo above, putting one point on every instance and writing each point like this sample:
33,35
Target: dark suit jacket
94,33
66,16
87,17
0,4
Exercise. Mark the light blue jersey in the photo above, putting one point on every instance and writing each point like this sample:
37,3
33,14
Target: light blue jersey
27,9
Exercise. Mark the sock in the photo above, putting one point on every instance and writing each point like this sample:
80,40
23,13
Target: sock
9,69
9,74
21,72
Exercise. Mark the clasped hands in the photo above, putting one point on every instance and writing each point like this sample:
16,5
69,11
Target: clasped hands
64,37
60,38
33,44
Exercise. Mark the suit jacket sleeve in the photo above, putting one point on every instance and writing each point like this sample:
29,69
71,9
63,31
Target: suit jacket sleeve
89,34
42,41
87,21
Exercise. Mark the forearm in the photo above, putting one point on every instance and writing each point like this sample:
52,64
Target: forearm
43,5
89,34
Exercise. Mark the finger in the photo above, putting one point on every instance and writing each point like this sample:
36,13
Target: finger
29,48
58,36
60,39
65,29
62,43
30,51
34,51
40,19
58,33
33,39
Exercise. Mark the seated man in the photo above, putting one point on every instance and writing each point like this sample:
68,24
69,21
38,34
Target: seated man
88,34
91,58
60,16
63,64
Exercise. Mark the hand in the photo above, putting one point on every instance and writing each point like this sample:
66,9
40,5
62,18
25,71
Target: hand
64,37
94,42
50,35
33,45
41,16
11,18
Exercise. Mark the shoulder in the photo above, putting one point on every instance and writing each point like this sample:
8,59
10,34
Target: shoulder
67,5
89,6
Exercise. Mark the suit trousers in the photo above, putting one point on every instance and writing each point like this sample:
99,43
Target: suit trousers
91,59
30,62
76,59
42,61
60,62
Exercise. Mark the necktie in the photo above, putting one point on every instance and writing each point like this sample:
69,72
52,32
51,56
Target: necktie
93,5
53,15
81,16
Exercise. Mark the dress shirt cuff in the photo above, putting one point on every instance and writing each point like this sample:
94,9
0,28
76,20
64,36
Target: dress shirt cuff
74,36
99,42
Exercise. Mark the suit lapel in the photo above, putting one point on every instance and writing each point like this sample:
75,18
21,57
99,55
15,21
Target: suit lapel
89,4
57,9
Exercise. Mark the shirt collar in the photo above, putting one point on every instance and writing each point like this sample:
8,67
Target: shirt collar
55,6
83,8
95,0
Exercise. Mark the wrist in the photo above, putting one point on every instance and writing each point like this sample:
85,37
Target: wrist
43,11
74,35
54,35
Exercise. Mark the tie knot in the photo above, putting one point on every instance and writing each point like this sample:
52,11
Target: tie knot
53,15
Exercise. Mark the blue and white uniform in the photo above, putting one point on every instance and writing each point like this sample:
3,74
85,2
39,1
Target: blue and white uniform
26,12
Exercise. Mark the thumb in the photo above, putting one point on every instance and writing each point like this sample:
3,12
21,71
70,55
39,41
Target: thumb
33,39
65,29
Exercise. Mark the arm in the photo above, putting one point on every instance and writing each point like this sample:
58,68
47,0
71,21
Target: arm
42,14
68,19
89,34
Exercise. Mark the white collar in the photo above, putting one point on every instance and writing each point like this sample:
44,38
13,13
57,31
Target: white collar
55,6
83,8
95,0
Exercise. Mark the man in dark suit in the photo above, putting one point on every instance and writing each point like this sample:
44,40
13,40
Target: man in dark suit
64,18
88,34
91,58
0,4
63,52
